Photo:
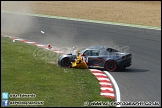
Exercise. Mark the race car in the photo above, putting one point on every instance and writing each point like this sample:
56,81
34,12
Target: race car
97,57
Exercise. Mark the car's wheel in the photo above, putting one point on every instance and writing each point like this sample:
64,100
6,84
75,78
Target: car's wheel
65,62
110,65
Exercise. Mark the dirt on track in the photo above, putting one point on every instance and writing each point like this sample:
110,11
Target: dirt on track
146,13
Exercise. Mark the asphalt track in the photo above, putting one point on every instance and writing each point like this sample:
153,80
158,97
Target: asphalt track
140,82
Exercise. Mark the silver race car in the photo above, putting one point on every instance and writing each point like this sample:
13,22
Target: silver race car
98,57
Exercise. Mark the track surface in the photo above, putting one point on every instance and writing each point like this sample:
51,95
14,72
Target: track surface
140,82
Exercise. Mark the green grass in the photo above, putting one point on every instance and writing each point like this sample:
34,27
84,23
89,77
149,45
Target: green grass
22,72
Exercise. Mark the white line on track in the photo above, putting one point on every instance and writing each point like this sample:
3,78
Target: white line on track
115,86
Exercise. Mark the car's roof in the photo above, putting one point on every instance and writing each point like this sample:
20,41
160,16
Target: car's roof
97,47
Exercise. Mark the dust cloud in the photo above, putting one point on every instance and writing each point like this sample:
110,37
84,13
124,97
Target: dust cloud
27,27
15,24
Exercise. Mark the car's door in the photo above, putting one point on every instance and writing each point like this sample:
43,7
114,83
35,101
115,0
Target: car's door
92,56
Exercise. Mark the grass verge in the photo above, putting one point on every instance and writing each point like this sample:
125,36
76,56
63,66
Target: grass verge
23,72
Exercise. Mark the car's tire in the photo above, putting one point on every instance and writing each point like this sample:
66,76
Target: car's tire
111,66
66,63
